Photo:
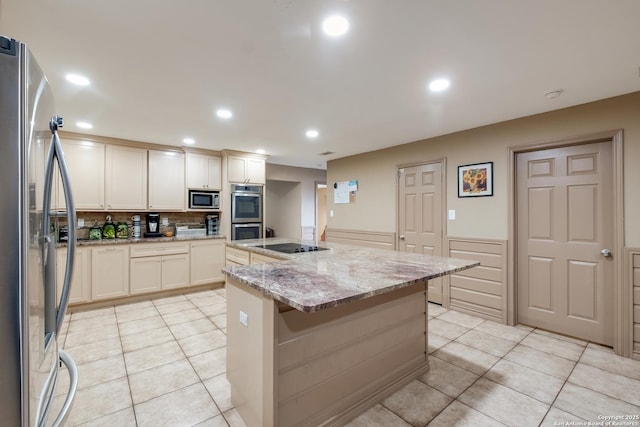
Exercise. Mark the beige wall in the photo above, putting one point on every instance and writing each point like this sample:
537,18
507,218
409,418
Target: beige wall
282,198
307,178
484,217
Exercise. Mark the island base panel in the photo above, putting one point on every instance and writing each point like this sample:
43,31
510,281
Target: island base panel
322,368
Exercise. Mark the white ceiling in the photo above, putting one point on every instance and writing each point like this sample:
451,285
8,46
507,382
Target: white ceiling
159,69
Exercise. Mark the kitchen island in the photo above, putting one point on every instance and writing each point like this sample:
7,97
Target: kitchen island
316,338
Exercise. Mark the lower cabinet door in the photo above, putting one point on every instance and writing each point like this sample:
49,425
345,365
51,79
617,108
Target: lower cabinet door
207,262
81,278
109,272
146,274
175,271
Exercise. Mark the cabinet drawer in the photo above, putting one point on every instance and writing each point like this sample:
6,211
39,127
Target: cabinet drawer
230,263
158,249
237,255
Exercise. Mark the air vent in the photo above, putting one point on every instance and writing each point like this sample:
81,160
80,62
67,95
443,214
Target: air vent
326,153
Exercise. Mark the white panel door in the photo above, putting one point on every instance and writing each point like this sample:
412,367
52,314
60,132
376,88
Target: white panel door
564,222
420,215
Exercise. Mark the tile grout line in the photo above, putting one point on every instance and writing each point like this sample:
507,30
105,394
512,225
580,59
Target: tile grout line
563,385
126,371
479,376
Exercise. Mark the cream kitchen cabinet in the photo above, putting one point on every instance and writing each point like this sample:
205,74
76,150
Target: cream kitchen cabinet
166,181
159,266
246,170
85,162
125,178
80,279
203,172
109,271
262,259
235,256
207,261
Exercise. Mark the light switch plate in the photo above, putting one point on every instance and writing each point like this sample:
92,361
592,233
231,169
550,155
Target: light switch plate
452,214
244,318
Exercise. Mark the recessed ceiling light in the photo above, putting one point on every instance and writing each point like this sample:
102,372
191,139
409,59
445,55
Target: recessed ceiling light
77,79
553,94
312,133
335,26
223,113
261,151
189,141
438,85
84,125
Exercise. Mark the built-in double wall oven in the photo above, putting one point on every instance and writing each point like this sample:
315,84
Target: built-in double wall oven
246,212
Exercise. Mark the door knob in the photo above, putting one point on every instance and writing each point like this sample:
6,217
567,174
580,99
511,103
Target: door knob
402,237
606,253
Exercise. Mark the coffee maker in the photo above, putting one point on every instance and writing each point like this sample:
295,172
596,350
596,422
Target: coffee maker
211,224
153,225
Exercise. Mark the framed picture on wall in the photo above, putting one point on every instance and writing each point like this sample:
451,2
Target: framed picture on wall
475,180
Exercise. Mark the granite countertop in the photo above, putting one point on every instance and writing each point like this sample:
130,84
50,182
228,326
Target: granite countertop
313,281
95,242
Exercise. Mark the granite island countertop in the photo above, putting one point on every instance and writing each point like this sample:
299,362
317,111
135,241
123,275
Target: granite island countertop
313,281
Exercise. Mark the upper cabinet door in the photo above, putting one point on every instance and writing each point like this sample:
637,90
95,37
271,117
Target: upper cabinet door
246,170
125,178
166,180
237,169
214,167
85,161
203,172
256,171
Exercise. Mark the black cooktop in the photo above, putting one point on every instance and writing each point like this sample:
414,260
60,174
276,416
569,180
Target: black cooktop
292,248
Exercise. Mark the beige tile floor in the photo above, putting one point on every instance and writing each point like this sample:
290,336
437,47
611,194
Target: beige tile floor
162,363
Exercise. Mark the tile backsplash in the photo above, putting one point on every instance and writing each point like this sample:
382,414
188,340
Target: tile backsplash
100,218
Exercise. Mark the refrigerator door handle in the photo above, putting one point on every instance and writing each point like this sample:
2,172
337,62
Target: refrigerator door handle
73,385
48,249
55,122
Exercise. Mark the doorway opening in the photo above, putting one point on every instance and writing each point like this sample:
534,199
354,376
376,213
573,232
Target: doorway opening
321,211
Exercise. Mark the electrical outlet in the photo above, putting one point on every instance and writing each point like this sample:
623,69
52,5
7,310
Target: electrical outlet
165,221
80,222
244,318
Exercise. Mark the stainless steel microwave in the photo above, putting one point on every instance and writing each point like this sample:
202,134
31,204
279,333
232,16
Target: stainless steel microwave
205,200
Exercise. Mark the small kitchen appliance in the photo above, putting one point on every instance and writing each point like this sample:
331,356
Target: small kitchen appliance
63,233
212,224
204,200
153,225
136,226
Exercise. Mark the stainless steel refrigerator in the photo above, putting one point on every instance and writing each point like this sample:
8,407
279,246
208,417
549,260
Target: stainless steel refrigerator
31,311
